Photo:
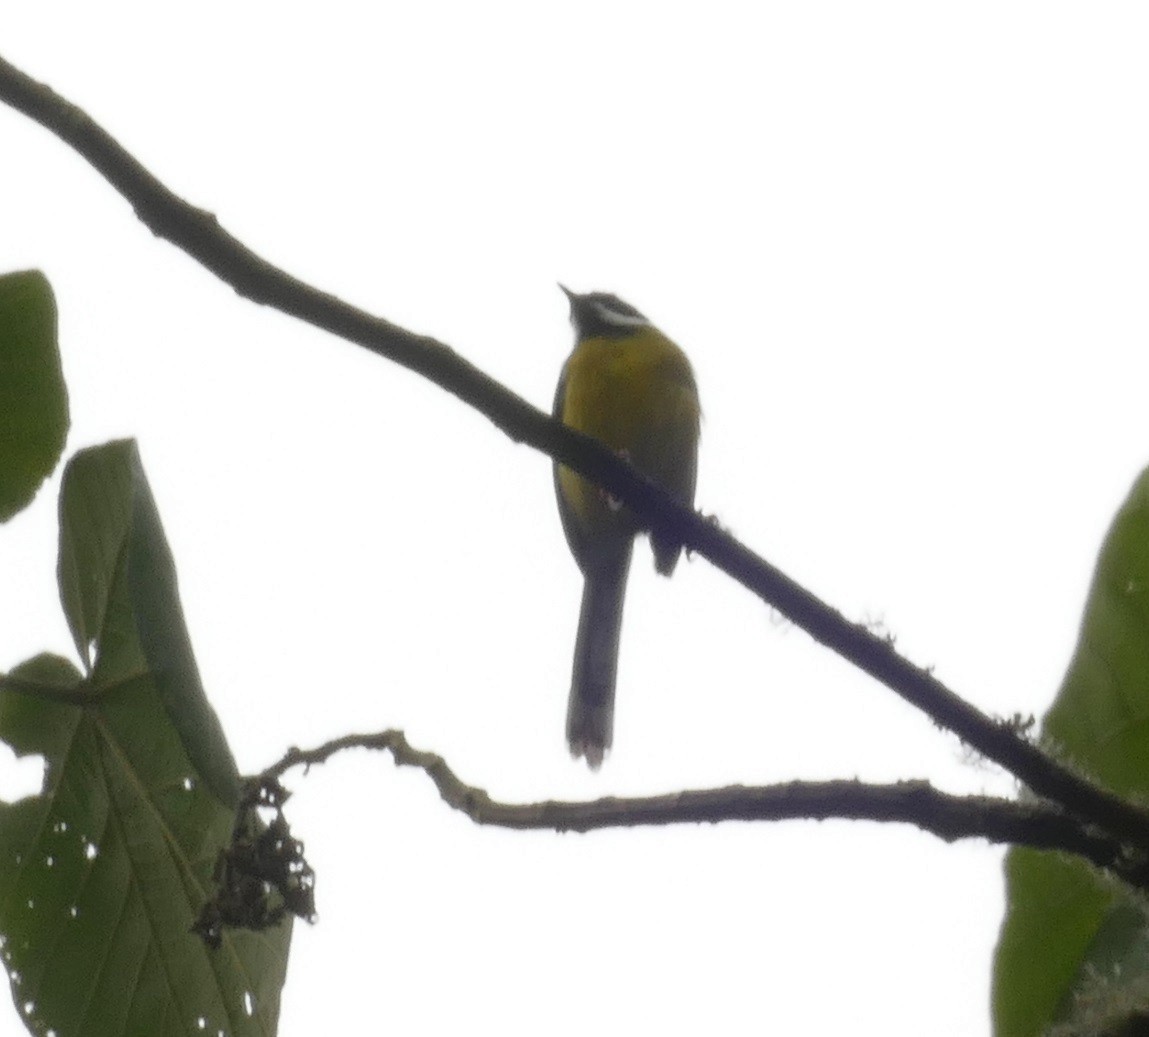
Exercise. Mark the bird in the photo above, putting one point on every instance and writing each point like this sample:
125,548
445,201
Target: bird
630,387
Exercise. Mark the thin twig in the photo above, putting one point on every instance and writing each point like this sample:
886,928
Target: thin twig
199,234
949,817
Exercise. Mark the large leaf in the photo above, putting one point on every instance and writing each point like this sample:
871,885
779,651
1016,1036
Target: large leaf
104,872
33,400
1072,941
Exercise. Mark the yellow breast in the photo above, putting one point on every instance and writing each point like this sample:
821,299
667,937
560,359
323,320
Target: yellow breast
637,395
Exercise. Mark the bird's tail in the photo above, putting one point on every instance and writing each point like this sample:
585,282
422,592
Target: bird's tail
590,712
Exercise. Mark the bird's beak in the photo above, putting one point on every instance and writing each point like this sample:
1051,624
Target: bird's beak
567,292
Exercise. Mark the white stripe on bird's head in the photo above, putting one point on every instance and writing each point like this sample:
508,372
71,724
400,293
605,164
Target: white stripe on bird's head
611,312
600,313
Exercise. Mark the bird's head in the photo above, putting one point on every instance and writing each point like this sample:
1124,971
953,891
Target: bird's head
600,314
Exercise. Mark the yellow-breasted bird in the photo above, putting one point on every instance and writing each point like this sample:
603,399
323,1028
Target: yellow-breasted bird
627,385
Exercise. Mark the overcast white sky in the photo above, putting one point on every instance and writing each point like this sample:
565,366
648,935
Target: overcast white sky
906,247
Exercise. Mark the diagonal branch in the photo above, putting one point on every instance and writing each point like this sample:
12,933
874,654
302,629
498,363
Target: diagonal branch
199,234
1037,825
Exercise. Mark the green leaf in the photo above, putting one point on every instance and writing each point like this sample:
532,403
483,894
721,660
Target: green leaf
104,872
1067,927
110,529
33,399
